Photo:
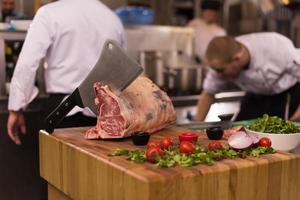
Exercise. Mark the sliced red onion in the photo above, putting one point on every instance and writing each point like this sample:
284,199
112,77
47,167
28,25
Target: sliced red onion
254,137
240,140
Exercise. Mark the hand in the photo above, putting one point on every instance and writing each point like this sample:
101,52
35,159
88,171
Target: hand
204,102
15,124
296,115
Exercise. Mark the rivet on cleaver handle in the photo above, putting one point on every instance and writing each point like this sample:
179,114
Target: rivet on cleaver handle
57,115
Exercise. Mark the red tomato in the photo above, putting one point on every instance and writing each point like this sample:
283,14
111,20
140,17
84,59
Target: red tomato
186,147
166,143
153,153
265,142
152,143
214,145
188,136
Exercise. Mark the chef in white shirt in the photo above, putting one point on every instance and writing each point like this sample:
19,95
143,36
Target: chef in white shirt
265,65
206,27
69,36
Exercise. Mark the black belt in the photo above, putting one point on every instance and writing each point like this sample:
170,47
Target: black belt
57,95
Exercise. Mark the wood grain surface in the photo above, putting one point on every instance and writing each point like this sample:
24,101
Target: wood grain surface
55,194
82,170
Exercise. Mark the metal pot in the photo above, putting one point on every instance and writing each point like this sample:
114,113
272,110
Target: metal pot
185,79
153,64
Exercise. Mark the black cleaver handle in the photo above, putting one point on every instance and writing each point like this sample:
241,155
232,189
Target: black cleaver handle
56,116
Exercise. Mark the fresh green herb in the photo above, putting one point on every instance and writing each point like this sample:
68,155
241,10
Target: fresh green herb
137,156
274,124
168,159
184,160
173,157
230,153
120,152
166,162
203,158
202,155
259,151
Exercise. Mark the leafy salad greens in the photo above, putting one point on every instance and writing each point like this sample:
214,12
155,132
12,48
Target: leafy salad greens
202,155
274,124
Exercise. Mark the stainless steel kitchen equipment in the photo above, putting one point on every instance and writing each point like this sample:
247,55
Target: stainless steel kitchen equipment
184,79
113,68
153,64
156,47
225,103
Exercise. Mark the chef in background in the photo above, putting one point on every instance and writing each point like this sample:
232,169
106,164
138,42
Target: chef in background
265,65
69,36
206,27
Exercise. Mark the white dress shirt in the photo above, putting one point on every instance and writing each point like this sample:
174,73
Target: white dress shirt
70,35
274,66
204,33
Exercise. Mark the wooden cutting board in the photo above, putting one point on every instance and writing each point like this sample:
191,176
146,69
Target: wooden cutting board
80,169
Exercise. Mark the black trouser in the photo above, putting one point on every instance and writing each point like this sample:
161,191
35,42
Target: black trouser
76,120
254,105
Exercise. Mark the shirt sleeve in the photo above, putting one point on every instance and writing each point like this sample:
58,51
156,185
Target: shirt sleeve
287,62
213,83
39,38
294,68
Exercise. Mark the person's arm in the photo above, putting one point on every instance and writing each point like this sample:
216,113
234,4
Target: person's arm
204,102
296,115
22,89
16,123
212,84
36,44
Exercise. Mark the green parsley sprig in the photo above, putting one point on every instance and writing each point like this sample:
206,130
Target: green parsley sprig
202,155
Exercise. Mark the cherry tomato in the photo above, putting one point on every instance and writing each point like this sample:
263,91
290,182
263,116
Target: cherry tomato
166,143
153,153
188,136
186,147
214,145
265,142
152,143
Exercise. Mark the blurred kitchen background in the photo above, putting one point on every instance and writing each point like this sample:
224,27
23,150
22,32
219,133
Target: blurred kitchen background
160,41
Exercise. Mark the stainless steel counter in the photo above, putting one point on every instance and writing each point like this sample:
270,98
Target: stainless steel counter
191,100
225,103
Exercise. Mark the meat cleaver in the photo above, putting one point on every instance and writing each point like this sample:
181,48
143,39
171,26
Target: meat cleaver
113,68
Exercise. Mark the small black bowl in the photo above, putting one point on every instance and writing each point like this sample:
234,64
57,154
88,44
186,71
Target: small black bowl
140,138
215,133
225,117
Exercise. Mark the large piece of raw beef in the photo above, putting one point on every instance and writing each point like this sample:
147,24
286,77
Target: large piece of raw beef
142,106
